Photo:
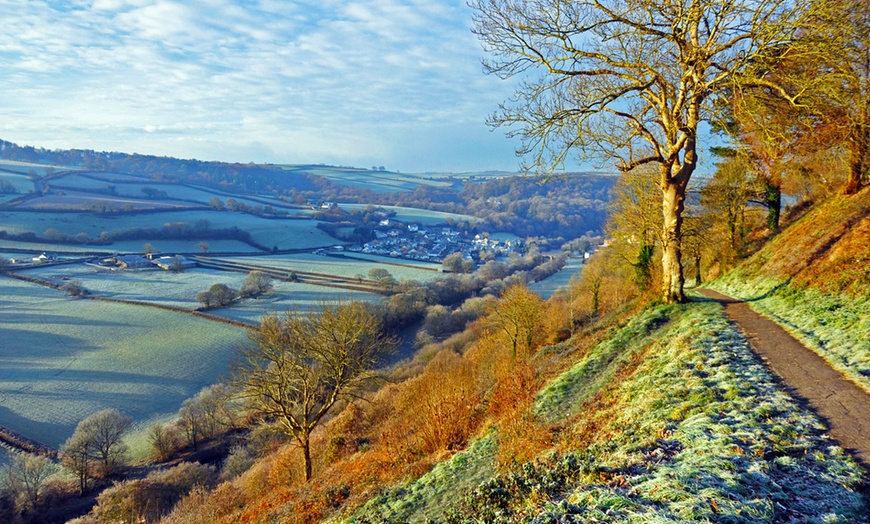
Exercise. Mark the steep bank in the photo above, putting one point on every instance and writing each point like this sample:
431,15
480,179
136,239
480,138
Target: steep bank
814,280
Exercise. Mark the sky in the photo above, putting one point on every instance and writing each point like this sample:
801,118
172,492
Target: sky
394,83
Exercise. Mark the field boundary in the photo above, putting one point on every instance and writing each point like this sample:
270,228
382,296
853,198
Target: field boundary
195,313
304,277
400,264
18,442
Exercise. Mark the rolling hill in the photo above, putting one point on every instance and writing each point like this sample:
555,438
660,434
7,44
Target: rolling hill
653,413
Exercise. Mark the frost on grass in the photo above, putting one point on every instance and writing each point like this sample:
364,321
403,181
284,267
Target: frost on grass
422,499
834,326
562,396
698,432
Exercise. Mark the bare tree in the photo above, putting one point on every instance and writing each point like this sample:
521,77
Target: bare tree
218,294
192,422
164,439
631,81
26,474
76,454
105,429
300,366
74,288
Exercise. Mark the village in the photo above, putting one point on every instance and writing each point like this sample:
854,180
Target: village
410,241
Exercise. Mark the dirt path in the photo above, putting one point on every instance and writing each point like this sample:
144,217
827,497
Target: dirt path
844,406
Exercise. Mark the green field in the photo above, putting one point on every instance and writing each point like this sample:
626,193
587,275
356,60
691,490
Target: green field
422,216
547,288
377,181
283,233
82,201
63,359
180,289
27,167
19,181
131,187
344,267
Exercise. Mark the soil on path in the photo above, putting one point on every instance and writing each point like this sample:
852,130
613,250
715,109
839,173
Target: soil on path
844,406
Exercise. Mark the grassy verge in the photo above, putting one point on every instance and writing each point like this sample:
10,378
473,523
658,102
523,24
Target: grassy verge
835,326
690,427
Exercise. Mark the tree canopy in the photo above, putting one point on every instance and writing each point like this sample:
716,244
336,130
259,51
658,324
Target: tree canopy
631,81
301,365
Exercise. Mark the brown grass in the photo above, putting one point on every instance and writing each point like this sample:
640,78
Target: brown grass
399,432
826,248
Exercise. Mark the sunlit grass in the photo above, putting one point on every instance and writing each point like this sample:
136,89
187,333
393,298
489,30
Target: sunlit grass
694,429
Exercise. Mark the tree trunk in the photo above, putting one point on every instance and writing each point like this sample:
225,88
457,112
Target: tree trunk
857,155
673,203
697,270
306,452
773,201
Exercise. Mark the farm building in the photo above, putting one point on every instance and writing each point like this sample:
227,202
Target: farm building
133,261
173,262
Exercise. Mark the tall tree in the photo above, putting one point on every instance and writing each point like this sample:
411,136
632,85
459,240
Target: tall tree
725,197
630,81
300,366
634,222
105,429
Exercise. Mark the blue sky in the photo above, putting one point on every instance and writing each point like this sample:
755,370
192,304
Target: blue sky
396,83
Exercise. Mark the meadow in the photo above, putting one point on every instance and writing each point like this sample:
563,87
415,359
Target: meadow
21,182
131,186
283,233
179,290
64,358
350,266
28,167
82,201
423,217
377,181
547,288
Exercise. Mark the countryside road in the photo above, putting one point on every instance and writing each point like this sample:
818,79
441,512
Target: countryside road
843,405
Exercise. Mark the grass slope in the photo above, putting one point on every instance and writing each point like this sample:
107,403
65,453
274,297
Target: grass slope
689,426
62,359
813,279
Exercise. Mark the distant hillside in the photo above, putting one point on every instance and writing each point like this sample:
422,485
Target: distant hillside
566,207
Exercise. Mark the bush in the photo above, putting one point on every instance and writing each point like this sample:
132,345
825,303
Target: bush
237,462
148,499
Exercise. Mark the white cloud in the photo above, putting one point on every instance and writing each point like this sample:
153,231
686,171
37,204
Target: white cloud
326,81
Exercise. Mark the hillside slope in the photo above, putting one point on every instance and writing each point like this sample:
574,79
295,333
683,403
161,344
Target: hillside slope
661,415
814,280
690,427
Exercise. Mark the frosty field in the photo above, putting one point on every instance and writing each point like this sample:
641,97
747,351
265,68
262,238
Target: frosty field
547,287
343,267
424,217
180,289
283,233
63,359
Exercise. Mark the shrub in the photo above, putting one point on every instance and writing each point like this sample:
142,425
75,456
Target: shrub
148,499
